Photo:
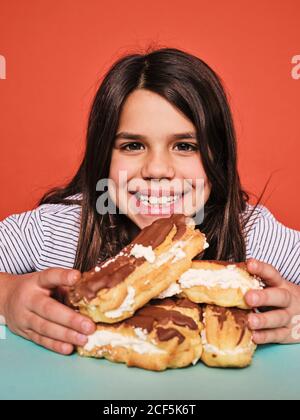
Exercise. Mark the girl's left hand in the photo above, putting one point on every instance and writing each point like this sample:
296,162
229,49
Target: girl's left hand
281,324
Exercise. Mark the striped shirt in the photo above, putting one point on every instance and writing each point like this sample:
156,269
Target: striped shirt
48,236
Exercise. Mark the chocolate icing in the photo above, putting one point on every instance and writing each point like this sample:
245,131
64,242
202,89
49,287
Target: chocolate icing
240,317
146,318
152,317
180,302
166,334
116,269
155,234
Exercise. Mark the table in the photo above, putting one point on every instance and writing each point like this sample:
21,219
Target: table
28,371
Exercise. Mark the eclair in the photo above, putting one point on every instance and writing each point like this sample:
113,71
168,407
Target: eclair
219,283
163,334
117,288
226,338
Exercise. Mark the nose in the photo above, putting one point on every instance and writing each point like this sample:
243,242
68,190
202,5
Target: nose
158,165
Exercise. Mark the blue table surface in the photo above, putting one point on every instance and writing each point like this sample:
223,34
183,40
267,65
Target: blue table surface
28,371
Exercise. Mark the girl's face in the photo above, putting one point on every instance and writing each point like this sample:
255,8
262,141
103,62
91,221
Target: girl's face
156,153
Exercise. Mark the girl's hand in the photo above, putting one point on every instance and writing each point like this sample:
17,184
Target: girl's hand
281,324
31,312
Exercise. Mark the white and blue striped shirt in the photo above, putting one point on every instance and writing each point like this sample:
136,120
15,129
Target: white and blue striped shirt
48,236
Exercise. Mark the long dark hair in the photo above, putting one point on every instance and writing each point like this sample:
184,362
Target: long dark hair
195,89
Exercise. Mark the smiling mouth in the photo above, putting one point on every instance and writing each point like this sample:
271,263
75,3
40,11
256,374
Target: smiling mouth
158,199
153,200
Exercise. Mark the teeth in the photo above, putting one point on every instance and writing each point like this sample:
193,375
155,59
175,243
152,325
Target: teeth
157,201
153,200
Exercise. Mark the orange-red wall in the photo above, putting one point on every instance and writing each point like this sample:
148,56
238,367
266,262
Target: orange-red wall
55,51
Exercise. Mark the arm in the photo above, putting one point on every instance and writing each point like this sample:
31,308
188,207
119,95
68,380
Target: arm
27,296
272,242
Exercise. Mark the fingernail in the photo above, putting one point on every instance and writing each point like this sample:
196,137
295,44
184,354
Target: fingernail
72,277
65,348
254,299
253,265
87,327
82,339
254,321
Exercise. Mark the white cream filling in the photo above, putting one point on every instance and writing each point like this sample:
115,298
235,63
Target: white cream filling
179,255
197,358
175,254
172,290
104,338
209,348
206,244
126,306
139,251
226,278
140,333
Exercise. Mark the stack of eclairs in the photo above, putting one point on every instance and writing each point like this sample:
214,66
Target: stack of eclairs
155,308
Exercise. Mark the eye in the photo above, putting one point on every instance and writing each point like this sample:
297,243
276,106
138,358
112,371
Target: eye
186,147
132,147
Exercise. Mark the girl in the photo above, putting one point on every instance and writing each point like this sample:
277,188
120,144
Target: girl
159,117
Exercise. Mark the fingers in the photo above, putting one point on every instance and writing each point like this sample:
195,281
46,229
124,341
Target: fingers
54,277
58,313
269,320
279,335
268,273
56,332
50,344
271,297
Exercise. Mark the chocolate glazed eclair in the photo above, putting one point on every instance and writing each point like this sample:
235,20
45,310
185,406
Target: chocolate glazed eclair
164,334
220,283
226,337
117,288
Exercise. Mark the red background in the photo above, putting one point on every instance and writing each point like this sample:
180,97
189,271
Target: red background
56,50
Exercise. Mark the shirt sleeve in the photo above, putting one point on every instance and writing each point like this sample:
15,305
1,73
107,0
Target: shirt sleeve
272,242
21,242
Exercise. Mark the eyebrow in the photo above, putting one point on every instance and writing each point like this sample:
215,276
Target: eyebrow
132,136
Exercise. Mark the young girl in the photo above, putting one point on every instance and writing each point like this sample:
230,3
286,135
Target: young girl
158,117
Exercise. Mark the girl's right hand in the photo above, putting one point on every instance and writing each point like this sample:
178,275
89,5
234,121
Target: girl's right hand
31,312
